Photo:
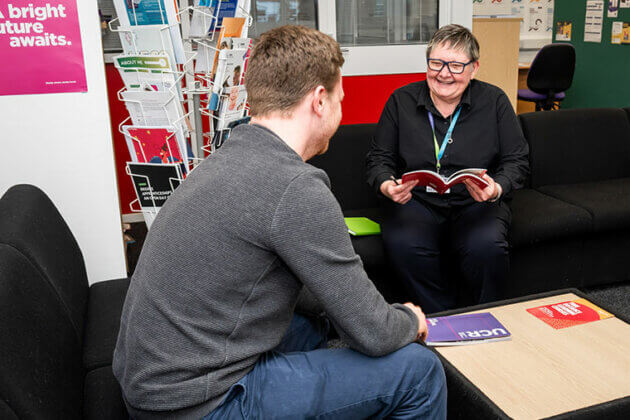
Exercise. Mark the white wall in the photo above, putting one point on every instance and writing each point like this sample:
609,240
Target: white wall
62,143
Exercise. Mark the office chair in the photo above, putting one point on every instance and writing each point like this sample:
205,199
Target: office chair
550,74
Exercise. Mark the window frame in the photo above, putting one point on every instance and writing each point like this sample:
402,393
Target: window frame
390,59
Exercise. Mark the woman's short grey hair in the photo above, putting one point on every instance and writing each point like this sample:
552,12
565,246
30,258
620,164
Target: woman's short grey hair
456,37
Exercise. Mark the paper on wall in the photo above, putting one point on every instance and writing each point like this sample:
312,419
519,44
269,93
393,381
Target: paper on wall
617,30
613,8
594,21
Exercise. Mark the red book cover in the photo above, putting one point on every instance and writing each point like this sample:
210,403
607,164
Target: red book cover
569,313
154,145
442,184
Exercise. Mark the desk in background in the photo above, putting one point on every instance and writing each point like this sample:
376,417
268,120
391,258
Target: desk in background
524,106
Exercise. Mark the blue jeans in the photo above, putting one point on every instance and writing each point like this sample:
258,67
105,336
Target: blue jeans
298,381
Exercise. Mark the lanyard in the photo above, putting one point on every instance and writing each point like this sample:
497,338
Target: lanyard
439,151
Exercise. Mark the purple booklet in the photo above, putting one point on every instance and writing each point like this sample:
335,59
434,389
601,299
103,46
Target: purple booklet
457,330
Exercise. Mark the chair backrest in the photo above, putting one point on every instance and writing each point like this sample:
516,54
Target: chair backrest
552,69
41,370
30,223
577,145
344,162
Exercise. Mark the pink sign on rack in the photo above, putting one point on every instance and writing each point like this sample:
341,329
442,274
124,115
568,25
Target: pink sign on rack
40,47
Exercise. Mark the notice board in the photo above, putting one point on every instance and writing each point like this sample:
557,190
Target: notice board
602,70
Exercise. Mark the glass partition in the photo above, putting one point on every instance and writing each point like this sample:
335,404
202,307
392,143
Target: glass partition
269,14
385,22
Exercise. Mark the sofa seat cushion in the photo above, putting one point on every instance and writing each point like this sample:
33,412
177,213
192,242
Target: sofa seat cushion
103,396
537,217
608,202
103,322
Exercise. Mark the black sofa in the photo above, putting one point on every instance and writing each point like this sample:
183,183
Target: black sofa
571,225
57,334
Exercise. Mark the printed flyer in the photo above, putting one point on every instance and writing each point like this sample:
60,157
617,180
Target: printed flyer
568,314
40,47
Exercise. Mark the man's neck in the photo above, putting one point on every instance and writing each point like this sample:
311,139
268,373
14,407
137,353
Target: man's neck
290,130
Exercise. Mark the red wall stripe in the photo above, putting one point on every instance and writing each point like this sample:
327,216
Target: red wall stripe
366,95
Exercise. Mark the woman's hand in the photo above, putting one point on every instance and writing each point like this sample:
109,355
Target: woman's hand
491,192
397,192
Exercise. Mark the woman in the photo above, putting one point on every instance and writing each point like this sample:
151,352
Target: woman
447,123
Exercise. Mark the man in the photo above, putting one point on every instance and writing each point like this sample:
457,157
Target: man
208,328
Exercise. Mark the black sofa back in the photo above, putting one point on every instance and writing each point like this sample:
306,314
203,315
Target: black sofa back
569,227
57,333
577,145
344,162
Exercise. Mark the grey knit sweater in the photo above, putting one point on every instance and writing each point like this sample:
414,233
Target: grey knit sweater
220,272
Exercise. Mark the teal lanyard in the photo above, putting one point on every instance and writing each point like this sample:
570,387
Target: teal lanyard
439,151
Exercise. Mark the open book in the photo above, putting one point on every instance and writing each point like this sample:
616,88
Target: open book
457,330
442,184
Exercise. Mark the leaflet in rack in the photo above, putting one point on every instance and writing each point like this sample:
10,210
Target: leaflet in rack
156,144
147,72
154,108
147,40
232,8
232,106
202,18
153,12
229,71
154,183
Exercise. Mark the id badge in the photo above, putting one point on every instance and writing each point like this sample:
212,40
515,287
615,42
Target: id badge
433,191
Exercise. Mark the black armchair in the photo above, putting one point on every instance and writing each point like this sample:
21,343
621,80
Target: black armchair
550,75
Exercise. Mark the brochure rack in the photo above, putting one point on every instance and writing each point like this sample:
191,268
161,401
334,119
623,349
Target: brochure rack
172,88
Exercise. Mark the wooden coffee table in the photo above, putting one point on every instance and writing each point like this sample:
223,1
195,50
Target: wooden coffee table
541,372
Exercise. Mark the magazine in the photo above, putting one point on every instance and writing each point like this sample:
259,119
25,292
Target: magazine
457,330
442,184
570,313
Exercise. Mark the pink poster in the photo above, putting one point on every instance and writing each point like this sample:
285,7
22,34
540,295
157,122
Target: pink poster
40,47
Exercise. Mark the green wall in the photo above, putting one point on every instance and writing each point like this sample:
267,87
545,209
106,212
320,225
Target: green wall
602,70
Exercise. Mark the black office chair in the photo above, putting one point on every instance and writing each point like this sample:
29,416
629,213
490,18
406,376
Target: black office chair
550,74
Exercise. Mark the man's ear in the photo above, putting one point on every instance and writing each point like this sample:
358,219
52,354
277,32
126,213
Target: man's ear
319,99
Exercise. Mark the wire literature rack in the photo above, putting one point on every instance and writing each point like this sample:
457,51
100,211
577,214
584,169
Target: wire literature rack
172,90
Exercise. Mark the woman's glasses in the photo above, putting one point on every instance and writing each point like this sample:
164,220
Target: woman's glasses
454,67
